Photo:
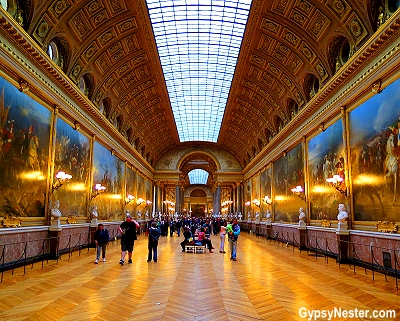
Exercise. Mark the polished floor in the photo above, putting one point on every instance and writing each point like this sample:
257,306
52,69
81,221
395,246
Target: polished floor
267,282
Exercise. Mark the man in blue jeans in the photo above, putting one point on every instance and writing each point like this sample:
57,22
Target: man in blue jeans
232,238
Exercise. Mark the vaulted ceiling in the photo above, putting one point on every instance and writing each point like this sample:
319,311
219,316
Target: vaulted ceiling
291,48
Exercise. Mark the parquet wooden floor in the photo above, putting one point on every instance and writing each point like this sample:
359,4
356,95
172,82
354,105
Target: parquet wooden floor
267,282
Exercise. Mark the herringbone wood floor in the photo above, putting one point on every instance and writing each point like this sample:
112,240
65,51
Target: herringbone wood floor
267,282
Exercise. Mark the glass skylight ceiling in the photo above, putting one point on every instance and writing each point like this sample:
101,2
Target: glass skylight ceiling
198,42
198,176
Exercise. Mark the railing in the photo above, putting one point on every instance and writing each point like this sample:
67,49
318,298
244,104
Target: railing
352,259
43,254
317,249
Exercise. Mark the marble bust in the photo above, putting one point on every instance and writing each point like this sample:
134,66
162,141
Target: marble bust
139,214
55,211
147,215
343,215
94,212
257,216
268,214
302,215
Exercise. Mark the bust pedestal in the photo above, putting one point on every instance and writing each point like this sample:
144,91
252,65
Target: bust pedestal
302,224
342,226
54,235
94,222
268,224
302,228
55,223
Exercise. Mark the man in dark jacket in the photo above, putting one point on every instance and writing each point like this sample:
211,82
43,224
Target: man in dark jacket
102,239
128,231
154,235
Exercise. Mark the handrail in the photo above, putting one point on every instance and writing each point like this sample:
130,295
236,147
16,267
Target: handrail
374,265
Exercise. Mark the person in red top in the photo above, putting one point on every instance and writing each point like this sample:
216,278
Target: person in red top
205,241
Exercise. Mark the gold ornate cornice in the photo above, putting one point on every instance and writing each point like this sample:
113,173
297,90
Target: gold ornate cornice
46,81
379,55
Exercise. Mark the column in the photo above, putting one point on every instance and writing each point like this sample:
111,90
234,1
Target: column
218,199
239,192
177,198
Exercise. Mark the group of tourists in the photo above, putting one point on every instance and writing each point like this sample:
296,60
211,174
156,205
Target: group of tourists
194,230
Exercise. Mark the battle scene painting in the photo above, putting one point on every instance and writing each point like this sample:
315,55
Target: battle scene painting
325,159
288,173
72,156
108,170
141,193
374,156
266,188
24,153
131,189
247,198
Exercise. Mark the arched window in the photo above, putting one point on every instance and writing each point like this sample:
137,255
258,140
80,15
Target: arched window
86,85
4,4
311,86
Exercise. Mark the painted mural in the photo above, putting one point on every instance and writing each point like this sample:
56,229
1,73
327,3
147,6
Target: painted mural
288,173
108,170
72,155
266,189
247,198
24,153
131,188
374,143
325,159
141,193
255,182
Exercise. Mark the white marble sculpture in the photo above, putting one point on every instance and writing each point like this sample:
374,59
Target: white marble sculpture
269,217
342,217
302,217
55,214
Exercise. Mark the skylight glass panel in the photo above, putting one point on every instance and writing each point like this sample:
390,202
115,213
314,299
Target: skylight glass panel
198,43
198,176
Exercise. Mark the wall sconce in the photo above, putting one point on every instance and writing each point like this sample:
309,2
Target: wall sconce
148,202
247,203
298,190
226,203
140,201
267,200
256,202
129,199
62,178
336,181
98,189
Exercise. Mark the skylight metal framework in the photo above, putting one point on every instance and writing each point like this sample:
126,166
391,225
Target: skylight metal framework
198,43
198,176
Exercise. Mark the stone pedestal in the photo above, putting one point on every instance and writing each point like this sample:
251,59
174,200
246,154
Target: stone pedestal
54,235
55,223
302,229
269,228
302,224
343,238
94,222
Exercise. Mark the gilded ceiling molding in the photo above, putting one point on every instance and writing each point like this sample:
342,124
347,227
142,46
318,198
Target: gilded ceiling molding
363,60
51,86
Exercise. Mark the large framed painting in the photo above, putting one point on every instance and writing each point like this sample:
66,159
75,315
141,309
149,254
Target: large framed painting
326,153
266,189
141,193
108,170
288,173
374,154
131,189
72,155
24,153
247,198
